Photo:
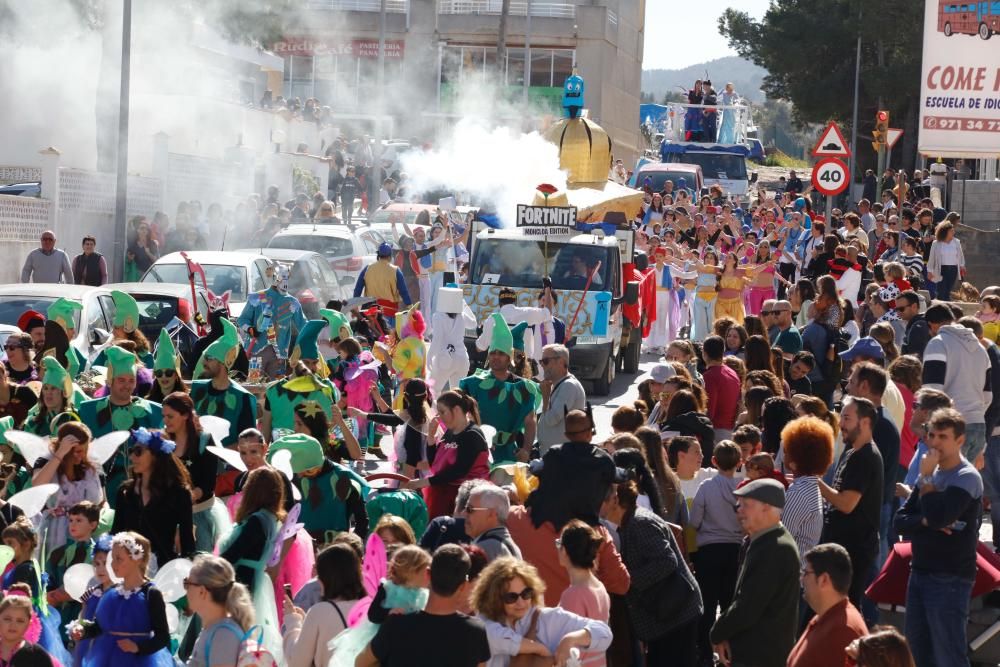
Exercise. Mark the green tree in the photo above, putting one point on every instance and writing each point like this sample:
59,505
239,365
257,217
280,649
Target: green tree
808,49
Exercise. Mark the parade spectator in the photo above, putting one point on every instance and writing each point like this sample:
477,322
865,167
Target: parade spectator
47,264
561,392
722,385
788,338
941,518
758,628
826,580
485,522
808,449
90,267
917,332
946,263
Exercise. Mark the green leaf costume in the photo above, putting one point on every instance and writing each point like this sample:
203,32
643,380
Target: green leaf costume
504,405
233,403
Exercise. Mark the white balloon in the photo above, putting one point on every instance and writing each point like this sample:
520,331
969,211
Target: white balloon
6,556
282,461
217,426
76,579
489,432
33,499
104,448
170,578
173,619
230,456
31,446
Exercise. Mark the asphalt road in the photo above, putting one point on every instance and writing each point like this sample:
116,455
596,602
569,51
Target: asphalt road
623,392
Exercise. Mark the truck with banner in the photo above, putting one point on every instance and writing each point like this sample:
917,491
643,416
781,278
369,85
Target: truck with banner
588,273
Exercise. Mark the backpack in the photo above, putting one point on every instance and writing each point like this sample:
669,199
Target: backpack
252,651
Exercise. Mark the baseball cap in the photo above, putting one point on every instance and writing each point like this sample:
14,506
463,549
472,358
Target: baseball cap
769,491
662,373
384,250
864,347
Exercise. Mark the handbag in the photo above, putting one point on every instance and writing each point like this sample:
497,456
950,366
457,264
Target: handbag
530,659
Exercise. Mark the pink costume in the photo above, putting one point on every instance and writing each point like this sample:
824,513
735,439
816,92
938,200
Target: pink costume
756,296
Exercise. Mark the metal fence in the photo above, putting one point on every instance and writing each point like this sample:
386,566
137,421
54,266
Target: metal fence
391,6
559,10
19,174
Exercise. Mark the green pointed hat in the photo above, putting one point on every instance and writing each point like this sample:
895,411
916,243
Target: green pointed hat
223,349
502,340
126,311
63,311
306,451
337,321
120,361
517,333
166,357
305,342
56,376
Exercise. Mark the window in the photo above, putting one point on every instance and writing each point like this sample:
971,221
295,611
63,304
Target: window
220,277
11,307
515,67
522,264
541,67
328,246
562,66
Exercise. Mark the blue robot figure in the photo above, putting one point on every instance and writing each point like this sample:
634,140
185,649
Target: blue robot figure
572,99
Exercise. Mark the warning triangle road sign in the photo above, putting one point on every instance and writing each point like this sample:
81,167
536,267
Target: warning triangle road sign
831,143
892,136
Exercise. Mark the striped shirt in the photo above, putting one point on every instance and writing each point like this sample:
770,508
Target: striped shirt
803,513
914,264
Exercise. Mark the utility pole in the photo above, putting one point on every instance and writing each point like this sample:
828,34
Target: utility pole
527,53
854,118
502,35
376,175
121,164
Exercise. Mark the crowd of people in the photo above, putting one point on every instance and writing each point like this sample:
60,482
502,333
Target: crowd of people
340,492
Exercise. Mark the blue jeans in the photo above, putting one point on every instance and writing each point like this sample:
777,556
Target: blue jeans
975,441
949,275
991,484
937,613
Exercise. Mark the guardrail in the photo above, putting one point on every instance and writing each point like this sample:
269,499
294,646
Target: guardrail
391,6
558,10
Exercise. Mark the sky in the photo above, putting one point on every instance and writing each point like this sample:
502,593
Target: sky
676,39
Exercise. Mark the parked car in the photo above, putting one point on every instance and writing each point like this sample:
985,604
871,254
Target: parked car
157,306
6,330
33,189
347,249
239,272
310,279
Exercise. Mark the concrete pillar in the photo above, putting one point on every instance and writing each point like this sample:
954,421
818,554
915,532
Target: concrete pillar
161,164
50,183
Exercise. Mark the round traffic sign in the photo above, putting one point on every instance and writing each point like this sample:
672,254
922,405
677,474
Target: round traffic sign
830,176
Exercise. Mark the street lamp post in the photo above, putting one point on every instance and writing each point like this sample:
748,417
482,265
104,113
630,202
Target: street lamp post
121,164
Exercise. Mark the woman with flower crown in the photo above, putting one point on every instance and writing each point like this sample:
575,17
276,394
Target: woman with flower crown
130,628
156,501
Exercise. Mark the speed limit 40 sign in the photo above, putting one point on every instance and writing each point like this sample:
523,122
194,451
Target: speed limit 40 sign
830,176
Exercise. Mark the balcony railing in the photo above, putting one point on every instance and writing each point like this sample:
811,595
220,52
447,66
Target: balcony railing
391,6
558,10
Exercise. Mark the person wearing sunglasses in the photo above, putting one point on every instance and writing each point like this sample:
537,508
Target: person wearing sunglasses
561,392
166,370
57,404
19,352
508,599
215,393
16,400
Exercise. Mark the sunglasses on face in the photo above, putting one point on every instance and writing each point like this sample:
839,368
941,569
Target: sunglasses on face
767,313
164,372
12,347
511,597
544,361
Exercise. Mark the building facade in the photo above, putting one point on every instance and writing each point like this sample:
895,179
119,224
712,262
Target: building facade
436,50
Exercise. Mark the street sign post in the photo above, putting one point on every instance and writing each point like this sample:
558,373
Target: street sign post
830,177
831,143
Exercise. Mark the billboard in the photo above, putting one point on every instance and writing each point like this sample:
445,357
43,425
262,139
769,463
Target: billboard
960,79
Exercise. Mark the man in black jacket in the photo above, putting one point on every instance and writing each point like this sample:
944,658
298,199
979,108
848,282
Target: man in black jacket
759,626
917,332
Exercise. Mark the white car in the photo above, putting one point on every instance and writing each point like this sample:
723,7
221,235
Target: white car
348,249
240,273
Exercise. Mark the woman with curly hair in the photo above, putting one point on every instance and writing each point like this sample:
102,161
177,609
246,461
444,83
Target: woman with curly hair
508,599
808,449
778,411
764,379
181,424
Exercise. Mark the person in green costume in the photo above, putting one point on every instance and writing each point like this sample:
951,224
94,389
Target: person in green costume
166,370
119,411
217,395
338,328
58,404
84,518
126,327
19,478
333,496
309,383
64,313
507,402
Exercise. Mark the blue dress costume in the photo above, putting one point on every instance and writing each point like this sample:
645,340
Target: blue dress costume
90,600
349,644
139,615
50,638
